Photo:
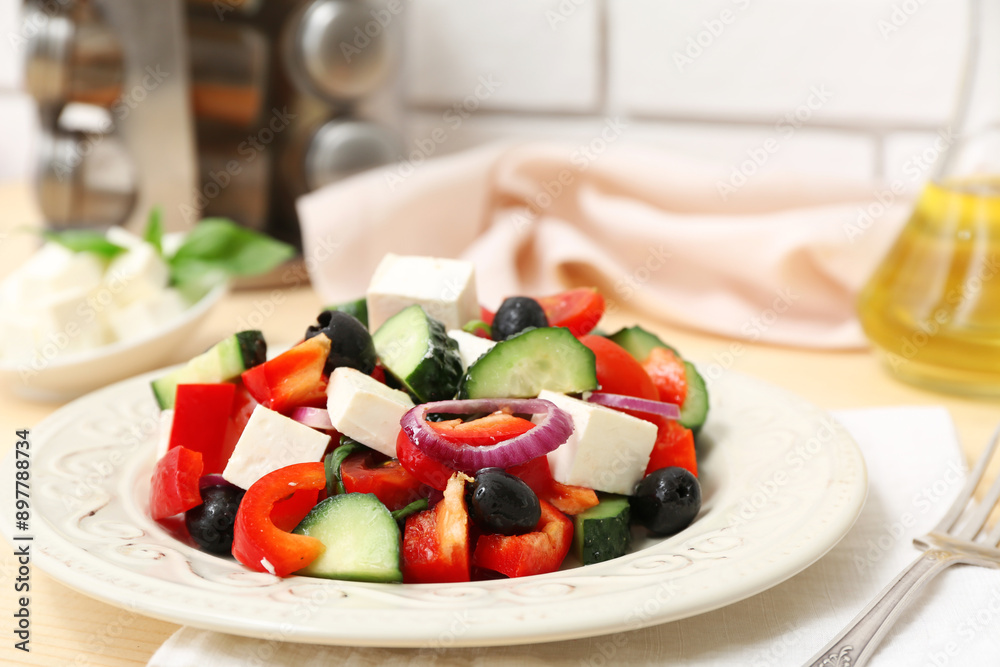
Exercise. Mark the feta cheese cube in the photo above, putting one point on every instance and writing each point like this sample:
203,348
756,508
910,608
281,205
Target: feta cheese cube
366,410
139,273
271,441
147,315
470,346
55,268
608,450
446,288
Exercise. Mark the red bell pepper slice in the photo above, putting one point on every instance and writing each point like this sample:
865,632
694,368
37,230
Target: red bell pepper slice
369,472
674,446
174,487
668,373
292,379
289,512
537,552
436,541
487,430
567,498
257,542
201,419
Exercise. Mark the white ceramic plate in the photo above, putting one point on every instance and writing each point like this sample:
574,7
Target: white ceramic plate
782,483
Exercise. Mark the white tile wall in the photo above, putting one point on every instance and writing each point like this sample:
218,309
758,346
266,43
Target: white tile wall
537,58
869,82
753,59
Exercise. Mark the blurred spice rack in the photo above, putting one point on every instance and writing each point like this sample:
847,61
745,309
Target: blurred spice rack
209,108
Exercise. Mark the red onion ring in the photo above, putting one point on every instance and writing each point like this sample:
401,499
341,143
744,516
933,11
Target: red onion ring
546,436
314,417
668,410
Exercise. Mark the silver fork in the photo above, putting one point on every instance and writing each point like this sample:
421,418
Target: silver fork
951,541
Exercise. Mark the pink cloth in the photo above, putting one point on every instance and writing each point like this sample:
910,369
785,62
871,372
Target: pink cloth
780,260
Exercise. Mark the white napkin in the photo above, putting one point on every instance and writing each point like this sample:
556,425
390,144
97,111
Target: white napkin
650,230
915,470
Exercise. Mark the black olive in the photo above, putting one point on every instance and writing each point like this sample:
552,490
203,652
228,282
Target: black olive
350,343
501,503
666,501
516,314
211,523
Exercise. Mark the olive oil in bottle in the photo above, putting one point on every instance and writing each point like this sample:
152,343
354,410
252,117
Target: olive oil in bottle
933,306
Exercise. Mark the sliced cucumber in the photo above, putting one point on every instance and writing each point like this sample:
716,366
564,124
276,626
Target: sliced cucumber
523,365
694,412
417,351
638,342
360,536
602,532
358,308
222,362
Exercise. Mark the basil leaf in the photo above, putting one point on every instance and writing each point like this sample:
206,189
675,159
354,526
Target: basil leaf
154,230
85,240
219,245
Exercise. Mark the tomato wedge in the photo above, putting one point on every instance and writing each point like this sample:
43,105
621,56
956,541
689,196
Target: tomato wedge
436,541
292,379
579,310
668,373
617,371
487,430
174,488
537,552
674,446
369,472
261,545
567,498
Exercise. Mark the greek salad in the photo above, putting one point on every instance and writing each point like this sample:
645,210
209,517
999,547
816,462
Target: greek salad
413,436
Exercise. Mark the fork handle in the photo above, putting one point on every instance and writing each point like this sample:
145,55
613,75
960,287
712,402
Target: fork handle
856,643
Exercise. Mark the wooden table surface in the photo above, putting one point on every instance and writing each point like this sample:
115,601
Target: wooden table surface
71,629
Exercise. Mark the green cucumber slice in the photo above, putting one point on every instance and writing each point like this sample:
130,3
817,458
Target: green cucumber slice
602,532
360,536
639,343
523,365
358,308
222,362
416,350
694,412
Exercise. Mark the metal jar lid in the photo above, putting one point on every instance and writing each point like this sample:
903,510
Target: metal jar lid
339,49
341,148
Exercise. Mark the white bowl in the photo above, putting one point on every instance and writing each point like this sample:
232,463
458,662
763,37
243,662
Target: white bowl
65,377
